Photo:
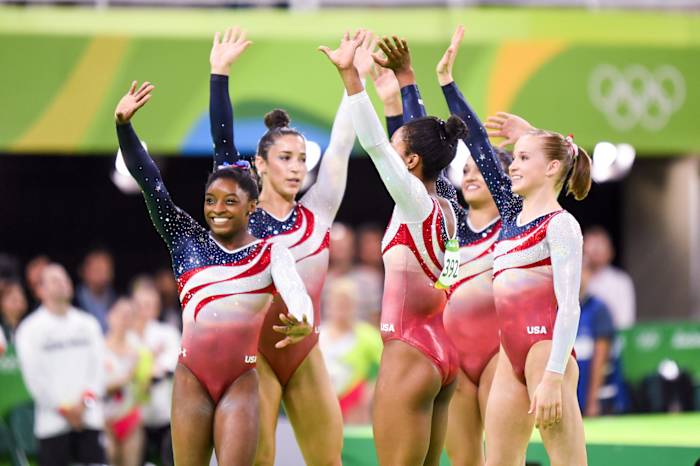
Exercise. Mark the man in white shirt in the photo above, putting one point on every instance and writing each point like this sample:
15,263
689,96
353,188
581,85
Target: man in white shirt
61,354
611,285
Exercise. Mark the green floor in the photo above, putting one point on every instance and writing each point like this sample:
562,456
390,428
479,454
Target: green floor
658,440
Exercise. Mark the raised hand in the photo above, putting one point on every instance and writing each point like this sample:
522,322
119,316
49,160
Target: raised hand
225,52
363,55
387,87
132,101
294,330
444,66
344,56
507,126
396,57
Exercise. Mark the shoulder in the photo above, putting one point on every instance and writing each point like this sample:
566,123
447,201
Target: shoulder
85,318
30,323
563,224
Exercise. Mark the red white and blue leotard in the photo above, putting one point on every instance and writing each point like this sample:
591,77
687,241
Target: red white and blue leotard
470,317
536,268
413,250
304,231
224,294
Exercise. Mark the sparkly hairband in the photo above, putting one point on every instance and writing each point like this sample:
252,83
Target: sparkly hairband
238,164
572,145
443,130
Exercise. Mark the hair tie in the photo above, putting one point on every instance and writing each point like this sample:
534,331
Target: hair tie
442,130
573,148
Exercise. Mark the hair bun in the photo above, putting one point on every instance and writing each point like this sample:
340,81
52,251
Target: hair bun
455,128
277,118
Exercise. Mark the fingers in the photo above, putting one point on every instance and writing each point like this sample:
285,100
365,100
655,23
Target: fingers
373,42
227,35
144,90
217,38
326,50
235,32
558,412
495,120
457,36
374,73
504,115
283,329
132,88
283,343
379,59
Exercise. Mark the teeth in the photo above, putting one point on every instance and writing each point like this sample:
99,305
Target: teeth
219,220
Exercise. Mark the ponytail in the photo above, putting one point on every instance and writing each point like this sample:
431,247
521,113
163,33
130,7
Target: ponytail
580,179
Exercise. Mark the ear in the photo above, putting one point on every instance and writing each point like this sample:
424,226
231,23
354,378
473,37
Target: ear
553,168
252,205
412,161
260,164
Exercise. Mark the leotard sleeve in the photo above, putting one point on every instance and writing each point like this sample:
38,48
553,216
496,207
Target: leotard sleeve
565,247
325,196
412,199
289,284
221,121
482,152
393,123
412,103
171,222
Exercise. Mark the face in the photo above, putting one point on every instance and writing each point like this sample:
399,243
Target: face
340,306
342,246
370,244
284,169
56,285
531,169
33,273
165,282
597,249
120,316
398,142
474,188
227,208
98,270
14,303
147,302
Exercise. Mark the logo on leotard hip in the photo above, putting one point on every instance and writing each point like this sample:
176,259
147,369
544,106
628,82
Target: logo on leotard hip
636,95
386,327
251,359
183,352
536,330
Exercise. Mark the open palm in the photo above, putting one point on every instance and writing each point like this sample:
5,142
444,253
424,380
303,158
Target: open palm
132,101
225,52
344,56
444,66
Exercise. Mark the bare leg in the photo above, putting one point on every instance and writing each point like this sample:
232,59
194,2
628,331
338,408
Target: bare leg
465,430
192,419
508,425
270,392
236,422
564,442
407,386
438,428
314,412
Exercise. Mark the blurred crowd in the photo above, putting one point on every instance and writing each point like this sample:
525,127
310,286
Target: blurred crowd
98,362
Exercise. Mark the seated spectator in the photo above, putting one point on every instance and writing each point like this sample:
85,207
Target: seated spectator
601,388
61,354
351,350
608,283
163,342
32,277
95,294
13,308
122,414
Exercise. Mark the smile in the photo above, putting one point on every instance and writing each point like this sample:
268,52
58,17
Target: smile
219,220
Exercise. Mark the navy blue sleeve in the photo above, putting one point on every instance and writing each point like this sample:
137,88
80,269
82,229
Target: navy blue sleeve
603,326
169,220
221,121
482,152
412,103
393,123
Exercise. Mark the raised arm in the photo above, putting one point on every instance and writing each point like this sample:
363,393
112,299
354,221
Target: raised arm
387,87
224,52
408,192
163,212
325,196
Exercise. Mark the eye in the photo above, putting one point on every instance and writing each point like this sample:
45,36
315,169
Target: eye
209,201
231,202
284,157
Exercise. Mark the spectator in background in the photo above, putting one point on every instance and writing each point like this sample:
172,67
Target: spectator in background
96,294
169,297
601,387
611,285
163,342
369,273
123,416
351,351
61,354
32,276
341,250
13,308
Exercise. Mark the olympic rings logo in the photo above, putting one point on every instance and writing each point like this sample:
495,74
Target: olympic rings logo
636,95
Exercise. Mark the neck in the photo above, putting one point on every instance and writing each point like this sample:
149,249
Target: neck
118,336
481,215
236,240
11,320
538,203
275,203
57,307
430,187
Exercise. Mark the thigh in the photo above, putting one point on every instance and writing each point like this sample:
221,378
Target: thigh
438,427
564,442
192,420
131,448
465,431
508,425
55,451
485,384
236,422
88,447
270,396
309,390
402,414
